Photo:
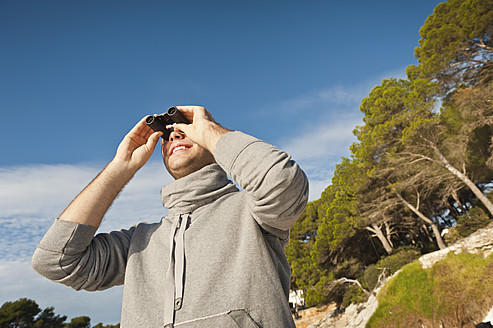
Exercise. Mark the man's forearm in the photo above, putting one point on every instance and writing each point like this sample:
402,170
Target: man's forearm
90,206
133,152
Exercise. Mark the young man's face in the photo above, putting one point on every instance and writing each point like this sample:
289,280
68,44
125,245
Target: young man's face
182,156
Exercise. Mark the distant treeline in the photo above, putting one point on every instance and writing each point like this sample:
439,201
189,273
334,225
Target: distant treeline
419,173
25,313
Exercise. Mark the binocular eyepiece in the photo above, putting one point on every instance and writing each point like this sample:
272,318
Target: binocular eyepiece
159,122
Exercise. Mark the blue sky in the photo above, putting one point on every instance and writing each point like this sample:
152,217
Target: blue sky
75,76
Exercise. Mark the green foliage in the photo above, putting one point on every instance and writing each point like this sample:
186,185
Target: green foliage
305,273
370,277
318,294
397,260
407,295
451,293
100,325
399,182
476,218
394,111
26,313
339,219
390,264
80,322
20,313
48,319
456,41
468,137
353,294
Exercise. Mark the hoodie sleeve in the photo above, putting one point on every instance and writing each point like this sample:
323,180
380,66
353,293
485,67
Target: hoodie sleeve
276,186
69,253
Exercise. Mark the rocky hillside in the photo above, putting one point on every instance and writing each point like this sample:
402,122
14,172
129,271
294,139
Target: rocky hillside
357,315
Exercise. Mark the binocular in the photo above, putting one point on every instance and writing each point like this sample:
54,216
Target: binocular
159,122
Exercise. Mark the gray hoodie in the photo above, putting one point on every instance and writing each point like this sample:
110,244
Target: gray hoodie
216,260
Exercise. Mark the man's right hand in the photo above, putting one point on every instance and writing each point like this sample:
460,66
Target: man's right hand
133,152
137,146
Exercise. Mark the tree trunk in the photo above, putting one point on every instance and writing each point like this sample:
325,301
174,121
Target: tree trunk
388,231
379,234
455,196
471,185
436,232
425,229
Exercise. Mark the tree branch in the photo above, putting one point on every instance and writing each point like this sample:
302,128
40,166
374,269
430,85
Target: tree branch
352,281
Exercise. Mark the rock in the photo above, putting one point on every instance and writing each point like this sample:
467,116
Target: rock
357,315
480,241
489,317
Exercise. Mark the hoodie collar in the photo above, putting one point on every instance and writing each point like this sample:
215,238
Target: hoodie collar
186,194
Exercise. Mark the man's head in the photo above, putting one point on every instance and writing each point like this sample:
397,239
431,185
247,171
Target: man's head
182,156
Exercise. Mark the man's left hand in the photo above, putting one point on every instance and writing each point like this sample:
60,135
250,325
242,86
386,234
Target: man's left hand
202,130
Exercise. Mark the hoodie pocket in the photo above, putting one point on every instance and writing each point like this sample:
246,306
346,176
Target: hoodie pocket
232,319
242,319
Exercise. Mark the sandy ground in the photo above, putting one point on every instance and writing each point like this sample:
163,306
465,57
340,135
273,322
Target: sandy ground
312,315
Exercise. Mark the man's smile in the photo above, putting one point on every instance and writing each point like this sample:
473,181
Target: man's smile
179,148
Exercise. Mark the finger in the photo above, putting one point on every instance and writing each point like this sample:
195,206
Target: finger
141,128
154,139
202,113
193,113
149,133
187,111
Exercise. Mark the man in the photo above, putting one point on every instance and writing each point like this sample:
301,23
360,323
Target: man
216,260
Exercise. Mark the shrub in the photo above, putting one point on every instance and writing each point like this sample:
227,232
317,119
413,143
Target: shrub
397,260
452,236
319,294
353,294
476,218
453,293
370,277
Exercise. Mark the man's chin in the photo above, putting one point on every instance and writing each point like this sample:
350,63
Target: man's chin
179,165
178,171
181,171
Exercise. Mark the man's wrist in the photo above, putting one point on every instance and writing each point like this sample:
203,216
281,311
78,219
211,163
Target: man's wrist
120,169
215,133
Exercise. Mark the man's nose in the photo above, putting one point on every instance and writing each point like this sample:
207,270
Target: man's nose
176,135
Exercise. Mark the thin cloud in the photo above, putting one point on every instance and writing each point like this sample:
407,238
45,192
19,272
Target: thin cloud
324,133
20,281
321,140
309,107
31,197
315,100
318,148
31,190
324,140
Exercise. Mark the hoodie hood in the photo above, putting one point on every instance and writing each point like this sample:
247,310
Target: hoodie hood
186,194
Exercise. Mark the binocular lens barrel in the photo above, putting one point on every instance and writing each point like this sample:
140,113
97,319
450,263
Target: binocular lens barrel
149,119
172,110
159,122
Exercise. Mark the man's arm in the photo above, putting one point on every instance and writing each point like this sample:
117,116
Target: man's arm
133,152
277,187
69,253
